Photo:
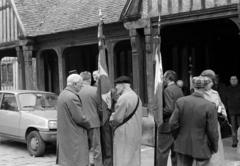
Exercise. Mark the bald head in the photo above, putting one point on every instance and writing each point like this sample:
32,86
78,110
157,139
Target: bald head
180,84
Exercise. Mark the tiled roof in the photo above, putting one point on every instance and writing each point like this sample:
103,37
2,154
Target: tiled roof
41,17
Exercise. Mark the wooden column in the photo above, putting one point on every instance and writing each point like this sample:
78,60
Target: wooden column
110,48
149,67
21,69
27,54
135,53
0,73
61,68
40,71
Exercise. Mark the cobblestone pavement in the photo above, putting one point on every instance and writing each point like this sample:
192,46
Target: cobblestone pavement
16,154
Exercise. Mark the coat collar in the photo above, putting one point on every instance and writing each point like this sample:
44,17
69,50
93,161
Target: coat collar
71,88
197,94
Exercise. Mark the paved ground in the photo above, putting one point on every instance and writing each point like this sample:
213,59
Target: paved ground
16,154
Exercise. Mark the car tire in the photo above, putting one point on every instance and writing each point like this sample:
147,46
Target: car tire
35,144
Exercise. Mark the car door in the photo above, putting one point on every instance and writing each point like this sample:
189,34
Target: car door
10,115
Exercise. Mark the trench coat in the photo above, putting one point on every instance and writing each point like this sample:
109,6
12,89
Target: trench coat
127,137
72,139
217,158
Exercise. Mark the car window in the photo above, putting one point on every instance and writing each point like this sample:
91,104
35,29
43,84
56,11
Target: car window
9,102
41,101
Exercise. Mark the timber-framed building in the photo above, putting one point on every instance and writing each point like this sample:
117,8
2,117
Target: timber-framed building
62,36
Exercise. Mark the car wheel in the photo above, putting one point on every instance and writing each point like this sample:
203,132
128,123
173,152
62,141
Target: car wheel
35,144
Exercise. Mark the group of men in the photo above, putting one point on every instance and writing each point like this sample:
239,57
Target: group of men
189,129
230,97
80,128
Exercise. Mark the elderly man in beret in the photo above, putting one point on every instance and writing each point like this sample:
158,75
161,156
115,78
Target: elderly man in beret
127,124
194,126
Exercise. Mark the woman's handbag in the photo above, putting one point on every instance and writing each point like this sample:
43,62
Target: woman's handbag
225,127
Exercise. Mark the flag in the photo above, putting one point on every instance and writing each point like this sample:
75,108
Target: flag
158,93
158,84
104,92
104,85
190,73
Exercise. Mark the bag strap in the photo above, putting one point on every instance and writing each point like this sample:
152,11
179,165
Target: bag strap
129,117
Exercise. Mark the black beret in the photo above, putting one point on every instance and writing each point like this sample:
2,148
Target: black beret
123,79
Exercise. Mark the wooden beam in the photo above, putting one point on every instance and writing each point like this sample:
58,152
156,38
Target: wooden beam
40,71
27,53
12,3
135,53
198,15
61,67
141,23
4,7
110,47
149,68
21,69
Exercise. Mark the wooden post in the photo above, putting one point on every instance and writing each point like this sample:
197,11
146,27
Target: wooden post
149,67
110,48
40,71
27,53
21,69
134,43
61,68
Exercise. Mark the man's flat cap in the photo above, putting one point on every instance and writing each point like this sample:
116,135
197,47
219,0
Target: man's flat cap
200,82
123,79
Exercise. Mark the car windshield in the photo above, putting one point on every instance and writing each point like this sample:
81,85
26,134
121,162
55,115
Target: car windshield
42,101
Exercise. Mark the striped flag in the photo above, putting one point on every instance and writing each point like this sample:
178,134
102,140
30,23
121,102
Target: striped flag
104,85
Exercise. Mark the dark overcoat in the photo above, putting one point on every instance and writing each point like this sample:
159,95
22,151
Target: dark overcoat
194,126
233,100
171,94
72,140
88,95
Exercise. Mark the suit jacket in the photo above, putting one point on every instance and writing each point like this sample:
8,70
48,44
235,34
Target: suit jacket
171,94
194,126
88,95
72,123
233,100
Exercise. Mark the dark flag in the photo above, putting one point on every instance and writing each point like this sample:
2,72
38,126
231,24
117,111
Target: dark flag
104,92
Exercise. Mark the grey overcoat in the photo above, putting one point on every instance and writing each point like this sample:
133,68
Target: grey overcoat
72,140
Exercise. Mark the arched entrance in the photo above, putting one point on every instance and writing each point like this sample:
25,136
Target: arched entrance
81,58
123,59
49,74
206,45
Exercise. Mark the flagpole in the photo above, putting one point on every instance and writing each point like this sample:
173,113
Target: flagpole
158,117
105,96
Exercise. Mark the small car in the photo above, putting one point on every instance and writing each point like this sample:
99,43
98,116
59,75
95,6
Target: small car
30,117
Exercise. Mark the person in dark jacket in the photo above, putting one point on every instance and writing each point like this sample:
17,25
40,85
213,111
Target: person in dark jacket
233,105
88,95
220,88
171,93
194,126
72,126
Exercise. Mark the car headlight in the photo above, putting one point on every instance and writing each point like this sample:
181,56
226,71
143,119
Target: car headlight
52,124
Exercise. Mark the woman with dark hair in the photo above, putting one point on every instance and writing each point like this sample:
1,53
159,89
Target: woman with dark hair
213,96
